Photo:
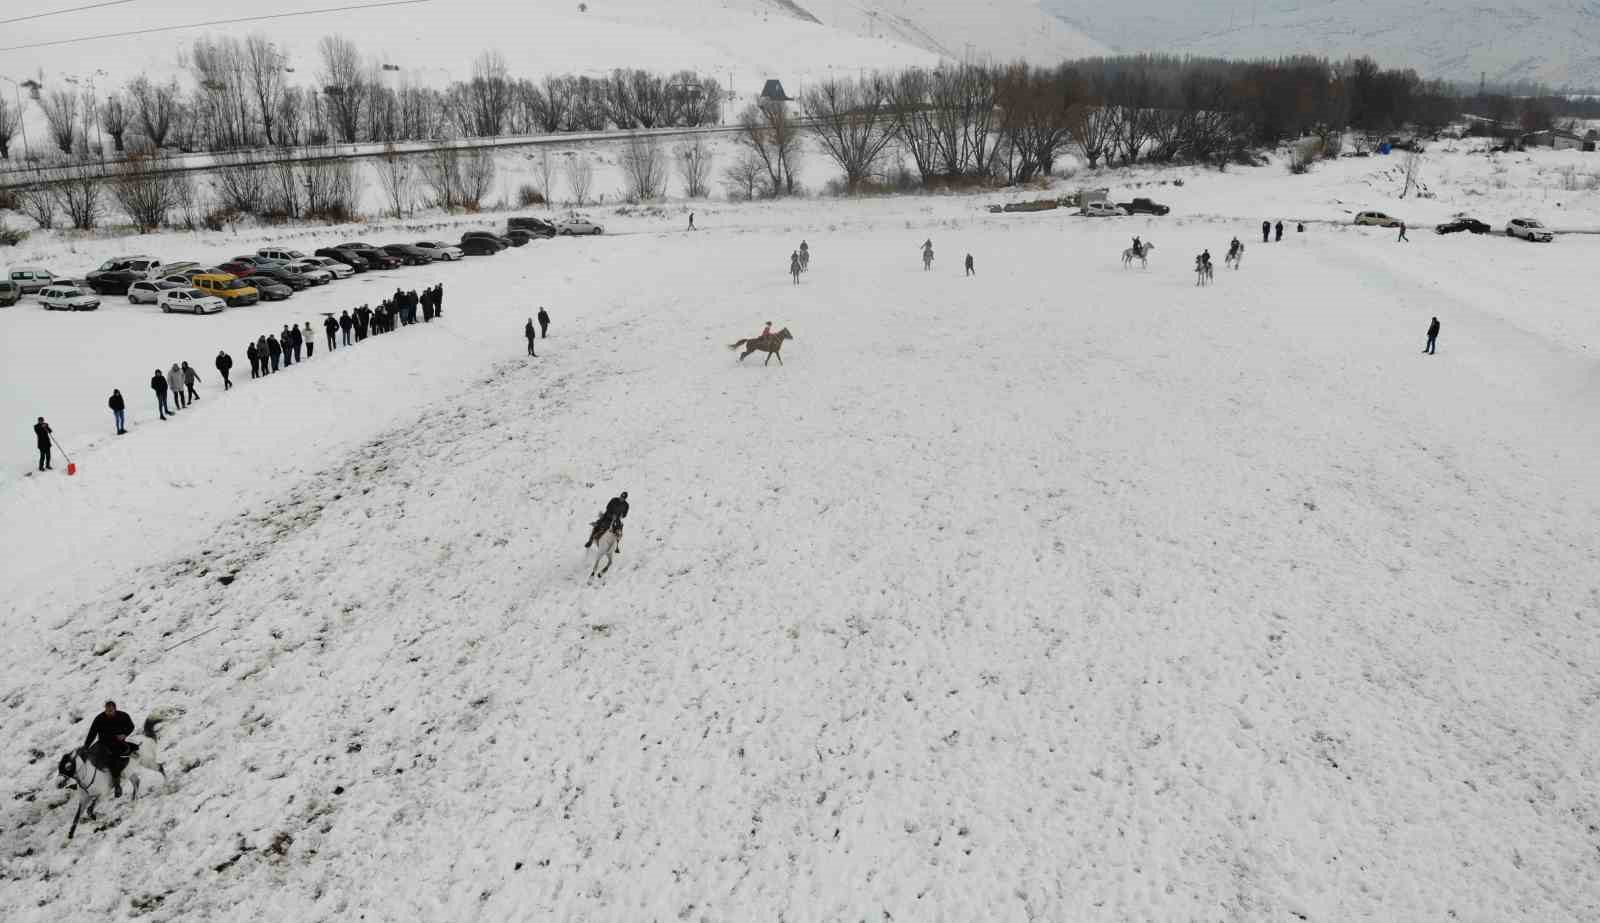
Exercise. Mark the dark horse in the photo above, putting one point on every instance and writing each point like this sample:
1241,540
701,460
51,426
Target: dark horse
771,344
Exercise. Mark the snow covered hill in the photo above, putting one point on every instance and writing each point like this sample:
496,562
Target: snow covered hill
1062,592
1554,41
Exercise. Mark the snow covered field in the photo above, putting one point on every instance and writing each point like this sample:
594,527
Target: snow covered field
1063,592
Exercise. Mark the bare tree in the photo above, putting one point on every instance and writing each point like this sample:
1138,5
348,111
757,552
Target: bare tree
145,193
331,188
477,178
10,121
240,183
38,203
852,121
580,178
488,96
156,106
743,177
644,168
343,84
395,172
284,196
545,168
61,115
694,167
114,119
441,171
263,65
77,194
769,134
1411,171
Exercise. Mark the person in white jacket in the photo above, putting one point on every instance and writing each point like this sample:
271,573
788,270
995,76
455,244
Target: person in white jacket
175,386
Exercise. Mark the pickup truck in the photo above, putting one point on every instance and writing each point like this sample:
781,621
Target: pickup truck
1144,207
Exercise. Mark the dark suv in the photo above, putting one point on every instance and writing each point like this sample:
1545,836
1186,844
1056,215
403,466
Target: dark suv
1144,207
345,255
376,259
538,227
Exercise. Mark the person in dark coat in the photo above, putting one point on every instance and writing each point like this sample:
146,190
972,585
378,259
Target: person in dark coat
345,324
1266,232
274,351
1433,334
616,511
970,270
158,384
1402,233
331,328
225,368
544,324
41,435
108,736
264,354
1279,232
190,376
255,359
117,409
527,331
438,300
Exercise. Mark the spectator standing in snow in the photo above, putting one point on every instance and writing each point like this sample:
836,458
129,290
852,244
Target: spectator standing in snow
1266,232
970,271
117,408
1278,237
224,368
691,221
544,324
274,352
528,332
254,357
345,323
264,354
190,376
158,384
438,300
331,328
1433,335
41,433
308,338
1402,233
175,386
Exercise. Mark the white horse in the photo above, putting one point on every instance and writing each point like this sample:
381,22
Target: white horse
1130,254
94,782
1235,258
607,546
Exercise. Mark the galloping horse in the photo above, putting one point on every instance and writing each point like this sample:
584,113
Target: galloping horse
1202,273
771,344
1130,254
1234,258
607,545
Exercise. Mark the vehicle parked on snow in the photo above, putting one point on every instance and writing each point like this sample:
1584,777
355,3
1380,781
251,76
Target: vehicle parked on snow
281,255
149,291
1102,210
190,301
1462,223
577,224
375,257
182,266
67,298
337,269
312,270
409,254
518,237
253,259
10,293
440,251
115,275
1529,229
1144,207
32,279
348,257
236,292
490,236
1377,220
480,246
538,227
271,289
282,275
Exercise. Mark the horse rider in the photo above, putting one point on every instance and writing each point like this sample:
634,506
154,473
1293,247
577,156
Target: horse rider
805,255
1138,247
108,736
794,265
1233,248
616,511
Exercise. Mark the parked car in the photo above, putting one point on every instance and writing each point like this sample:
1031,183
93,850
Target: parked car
1529,229
1461,223
148,291
32,279
284,276
504,242
236,292
1144,207
67,298
576,224
255,259
115,275
237,269
182,266
440,251
280,255
518,237
190,301
408,254
376,258
271,289
480,246
1377,220
1102,210
10,293
350,258
335,268
312,270
538,227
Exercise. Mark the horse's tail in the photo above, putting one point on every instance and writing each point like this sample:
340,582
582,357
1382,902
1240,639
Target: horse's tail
738,344
150,753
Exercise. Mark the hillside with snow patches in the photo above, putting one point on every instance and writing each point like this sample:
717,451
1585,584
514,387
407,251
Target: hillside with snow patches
1063,591
1556,42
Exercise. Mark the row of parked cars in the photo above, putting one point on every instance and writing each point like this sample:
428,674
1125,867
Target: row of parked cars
271,273
1525,228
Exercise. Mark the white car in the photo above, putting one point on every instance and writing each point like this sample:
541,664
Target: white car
440,251
339,270
67,298
1377,220
1103,210
567,227
312,270
1529,229
150,292
191,301
279,254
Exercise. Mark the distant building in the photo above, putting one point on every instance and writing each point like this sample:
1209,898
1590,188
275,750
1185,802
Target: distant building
1553,138
772,92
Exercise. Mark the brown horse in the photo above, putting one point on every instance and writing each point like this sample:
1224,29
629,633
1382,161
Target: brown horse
771,344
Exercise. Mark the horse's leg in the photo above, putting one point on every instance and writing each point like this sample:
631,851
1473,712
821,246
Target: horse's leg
779,354
746,353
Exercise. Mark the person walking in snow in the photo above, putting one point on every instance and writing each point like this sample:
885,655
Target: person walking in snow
254,357
190,376
970,270
41,436
175,386
158,384
527,331
1433,335
117,409
1402,236
1279,233
345,325
224,365
927,255
544,324
1266,232
691,221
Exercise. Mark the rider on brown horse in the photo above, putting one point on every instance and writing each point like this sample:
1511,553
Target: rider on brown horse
616,512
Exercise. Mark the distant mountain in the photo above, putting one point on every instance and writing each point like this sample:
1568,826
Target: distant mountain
1556,42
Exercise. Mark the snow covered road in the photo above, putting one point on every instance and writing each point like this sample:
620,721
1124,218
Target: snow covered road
1061,593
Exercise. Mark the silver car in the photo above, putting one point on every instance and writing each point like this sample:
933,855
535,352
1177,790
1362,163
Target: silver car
149,292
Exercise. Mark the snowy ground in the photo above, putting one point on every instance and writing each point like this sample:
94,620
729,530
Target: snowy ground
1061,593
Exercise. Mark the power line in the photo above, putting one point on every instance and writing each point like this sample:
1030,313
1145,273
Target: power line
75,9
214,22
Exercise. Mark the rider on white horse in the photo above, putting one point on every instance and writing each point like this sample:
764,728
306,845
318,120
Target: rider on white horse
108,745
1138,247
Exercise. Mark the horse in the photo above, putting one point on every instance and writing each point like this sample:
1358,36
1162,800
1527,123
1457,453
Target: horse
607,546
772,344
795,269
1234,258
1202,273
1130,254
79,767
